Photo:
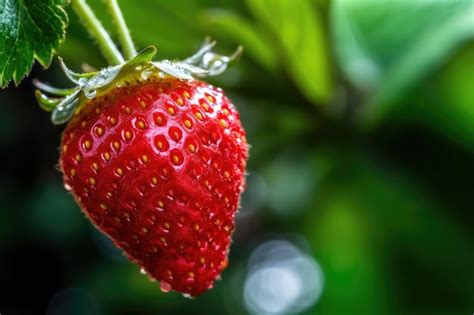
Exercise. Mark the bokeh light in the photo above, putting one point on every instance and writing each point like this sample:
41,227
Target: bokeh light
281,279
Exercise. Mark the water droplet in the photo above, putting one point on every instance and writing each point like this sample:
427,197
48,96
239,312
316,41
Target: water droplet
165,287
187,296
145,74
90,94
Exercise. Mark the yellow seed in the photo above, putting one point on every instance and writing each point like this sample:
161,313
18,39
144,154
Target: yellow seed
186,94
99,131
167,225
128,110
117,219
142,104
225,111
163,239
226,175
192,148
78,157
175,159
191,274
187,124
161,204
116,145
87,144
212,265
113,121
73,172
196,227
154,180
95,166
198,115
180,102
108,194
65,148
227,228
128,135
97,110
171,110
202,260
144,158
145,230
210,98
103,207
92,181
159,144
83,124
106,156
140,124
205,106
223,123
119,171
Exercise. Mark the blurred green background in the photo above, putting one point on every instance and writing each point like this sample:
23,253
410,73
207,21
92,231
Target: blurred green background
360,187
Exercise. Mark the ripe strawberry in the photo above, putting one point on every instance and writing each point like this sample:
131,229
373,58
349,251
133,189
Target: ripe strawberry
158,166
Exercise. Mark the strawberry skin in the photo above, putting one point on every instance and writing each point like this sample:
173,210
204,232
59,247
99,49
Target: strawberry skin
158,166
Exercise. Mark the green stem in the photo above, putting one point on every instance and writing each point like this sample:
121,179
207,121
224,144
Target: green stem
97,31
122,29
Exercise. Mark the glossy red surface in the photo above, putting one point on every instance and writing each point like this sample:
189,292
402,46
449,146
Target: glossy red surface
159,167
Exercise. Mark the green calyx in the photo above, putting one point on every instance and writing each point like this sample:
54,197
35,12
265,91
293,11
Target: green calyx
62,103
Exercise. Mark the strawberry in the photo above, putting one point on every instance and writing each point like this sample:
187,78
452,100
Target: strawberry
158,166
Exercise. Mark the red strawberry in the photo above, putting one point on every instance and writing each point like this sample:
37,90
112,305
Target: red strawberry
158,166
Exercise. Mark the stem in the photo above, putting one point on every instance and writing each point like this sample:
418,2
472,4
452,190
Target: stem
124,35
97,31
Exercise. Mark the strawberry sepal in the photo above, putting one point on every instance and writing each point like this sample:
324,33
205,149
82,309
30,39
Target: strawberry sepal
63,103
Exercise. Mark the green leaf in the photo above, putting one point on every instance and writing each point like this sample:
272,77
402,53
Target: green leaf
445,102
366,217
29,29
244,32
387,47
298,28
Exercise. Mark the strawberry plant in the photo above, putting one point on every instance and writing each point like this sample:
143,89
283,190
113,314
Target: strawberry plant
359,189
154,156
